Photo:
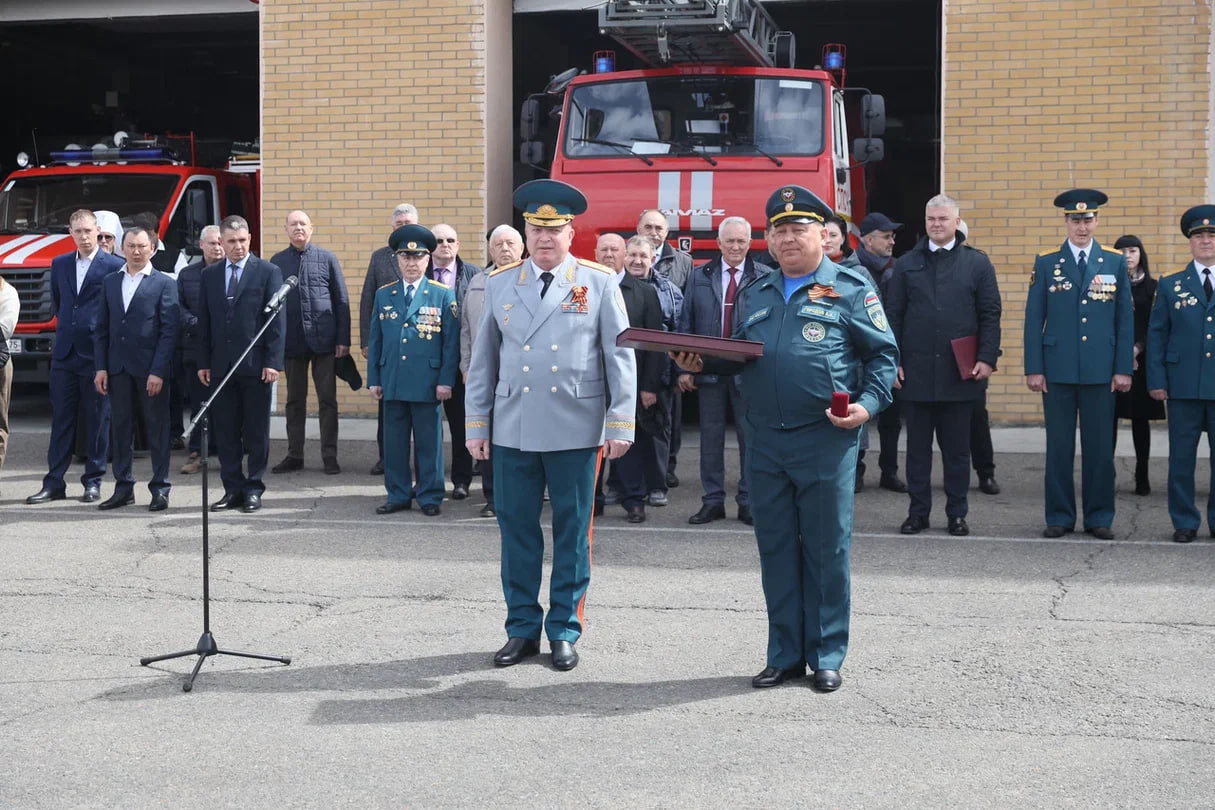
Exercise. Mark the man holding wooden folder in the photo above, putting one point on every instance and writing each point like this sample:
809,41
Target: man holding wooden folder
944,309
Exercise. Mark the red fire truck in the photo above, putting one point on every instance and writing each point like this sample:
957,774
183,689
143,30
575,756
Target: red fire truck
171,177
718,121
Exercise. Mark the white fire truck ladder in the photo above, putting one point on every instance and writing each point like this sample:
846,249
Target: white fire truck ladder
738,32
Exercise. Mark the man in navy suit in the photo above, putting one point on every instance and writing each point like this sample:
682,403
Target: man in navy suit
234,293
136,336
76,291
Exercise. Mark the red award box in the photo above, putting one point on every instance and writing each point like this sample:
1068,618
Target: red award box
964,351
656,340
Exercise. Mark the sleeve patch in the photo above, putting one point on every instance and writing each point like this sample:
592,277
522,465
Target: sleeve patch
877,316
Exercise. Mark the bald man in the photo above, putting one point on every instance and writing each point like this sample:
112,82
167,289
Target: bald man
318,332
610,252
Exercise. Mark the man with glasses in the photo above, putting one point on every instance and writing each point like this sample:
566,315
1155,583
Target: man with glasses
447,268
414,348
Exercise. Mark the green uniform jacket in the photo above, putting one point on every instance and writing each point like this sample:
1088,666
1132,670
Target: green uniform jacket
1079,331
832,336
1181,338
411,352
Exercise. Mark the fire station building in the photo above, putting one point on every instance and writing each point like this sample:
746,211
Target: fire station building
365,104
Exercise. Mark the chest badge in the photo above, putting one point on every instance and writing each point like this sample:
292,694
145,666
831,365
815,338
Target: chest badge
814,331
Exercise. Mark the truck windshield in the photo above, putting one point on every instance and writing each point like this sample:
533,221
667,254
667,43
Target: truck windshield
44,204
695,115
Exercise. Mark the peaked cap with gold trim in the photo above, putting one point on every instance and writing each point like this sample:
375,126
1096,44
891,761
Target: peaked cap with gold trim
549,203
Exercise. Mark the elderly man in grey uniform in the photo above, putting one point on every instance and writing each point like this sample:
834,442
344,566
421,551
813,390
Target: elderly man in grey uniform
547,375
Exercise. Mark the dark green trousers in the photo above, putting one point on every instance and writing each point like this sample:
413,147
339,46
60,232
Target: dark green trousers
1095,406
801,496
520,477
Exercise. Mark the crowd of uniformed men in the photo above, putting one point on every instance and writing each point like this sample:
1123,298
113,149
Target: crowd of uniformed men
522,356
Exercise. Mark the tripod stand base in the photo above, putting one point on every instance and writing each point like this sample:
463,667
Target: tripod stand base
205,649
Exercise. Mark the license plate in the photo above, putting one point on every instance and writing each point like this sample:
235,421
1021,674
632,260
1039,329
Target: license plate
14,346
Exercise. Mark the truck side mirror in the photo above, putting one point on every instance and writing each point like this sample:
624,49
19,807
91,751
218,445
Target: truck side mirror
531,153
873,115
529,119
868,150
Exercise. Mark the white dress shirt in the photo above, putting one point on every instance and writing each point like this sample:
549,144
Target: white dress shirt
82,267
933,247
130,283
1088,251
725,285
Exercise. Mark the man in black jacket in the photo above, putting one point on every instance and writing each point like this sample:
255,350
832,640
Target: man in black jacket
381,269
708,307
639,468
317,327
189,288
940,291
234,293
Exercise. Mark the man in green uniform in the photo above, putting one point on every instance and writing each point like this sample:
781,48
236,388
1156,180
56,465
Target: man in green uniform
413,356
824,332
1181,367
1079,338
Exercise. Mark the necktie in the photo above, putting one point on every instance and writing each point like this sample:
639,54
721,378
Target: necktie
1082,263
408,296
727,316
547,278
231,282
1206,282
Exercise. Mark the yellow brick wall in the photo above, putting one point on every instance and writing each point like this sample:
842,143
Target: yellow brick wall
354,95
1047,95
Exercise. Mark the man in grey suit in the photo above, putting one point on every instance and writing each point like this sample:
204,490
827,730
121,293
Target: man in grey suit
547,375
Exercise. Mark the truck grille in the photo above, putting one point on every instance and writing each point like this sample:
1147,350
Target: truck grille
34,290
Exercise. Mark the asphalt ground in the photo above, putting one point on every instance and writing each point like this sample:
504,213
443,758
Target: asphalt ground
994,670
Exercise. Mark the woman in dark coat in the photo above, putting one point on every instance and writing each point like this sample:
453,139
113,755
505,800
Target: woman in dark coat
1136,404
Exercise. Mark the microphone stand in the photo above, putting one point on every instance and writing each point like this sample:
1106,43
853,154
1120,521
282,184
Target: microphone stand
206,646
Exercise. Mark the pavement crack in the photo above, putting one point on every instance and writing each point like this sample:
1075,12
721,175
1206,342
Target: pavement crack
1062,582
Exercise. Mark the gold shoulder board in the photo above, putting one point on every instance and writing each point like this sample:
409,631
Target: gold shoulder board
505,267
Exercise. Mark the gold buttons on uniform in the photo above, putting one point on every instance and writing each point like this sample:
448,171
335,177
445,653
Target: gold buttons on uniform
403,357
526,390
554,347
526,369
526,348
554,369
553,389
1084,320
1208,319
1083,300
1084,337
404,340
1208,354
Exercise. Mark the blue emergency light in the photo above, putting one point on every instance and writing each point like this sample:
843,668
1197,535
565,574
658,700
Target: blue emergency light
834,60
605,61
91,155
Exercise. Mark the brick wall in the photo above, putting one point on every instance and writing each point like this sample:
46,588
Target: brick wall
354,94
1046,95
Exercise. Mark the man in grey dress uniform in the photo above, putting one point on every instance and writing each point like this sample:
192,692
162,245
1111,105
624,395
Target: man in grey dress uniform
552,393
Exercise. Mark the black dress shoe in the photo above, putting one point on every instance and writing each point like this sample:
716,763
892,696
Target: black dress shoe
91,494
636,514
1101,532
827,680
775,676
914,524
229,501
389,508
160,502
332,467
1184,535
565,657
430,509
708,513
1142,487
958,527
744,514
119,498
45,495
289,464
515,650
253,502
377,468
988,485
459,492
892,483
1055,531
672,480
488,511
597,511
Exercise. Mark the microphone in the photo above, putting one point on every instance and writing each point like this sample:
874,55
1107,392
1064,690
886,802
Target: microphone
277,299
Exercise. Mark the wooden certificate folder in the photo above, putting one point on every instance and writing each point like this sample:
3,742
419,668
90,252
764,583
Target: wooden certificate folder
656,340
